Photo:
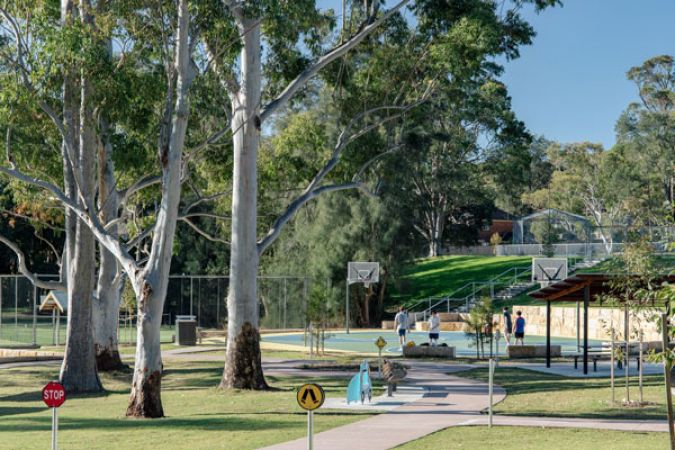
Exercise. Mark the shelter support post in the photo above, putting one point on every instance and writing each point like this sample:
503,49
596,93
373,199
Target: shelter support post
587,298
548,334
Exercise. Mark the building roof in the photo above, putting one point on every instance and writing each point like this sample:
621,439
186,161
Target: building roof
55,300
572,288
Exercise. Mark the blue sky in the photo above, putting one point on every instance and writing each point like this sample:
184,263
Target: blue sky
571,85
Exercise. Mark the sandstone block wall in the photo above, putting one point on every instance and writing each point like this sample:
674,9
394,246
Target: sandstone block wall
564,322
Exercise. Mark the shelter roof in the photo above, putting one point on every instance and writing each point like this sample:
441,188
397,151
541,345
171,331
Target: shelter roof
554,212
55,300
572,288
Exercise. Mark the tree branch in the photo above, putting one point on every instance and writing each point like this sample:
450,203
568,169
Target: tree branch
23,269
329,57
202,232
91,220
295,205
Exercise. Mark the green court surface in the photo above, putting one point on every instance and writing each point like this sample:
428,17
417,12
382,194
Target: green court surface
20,333
364,341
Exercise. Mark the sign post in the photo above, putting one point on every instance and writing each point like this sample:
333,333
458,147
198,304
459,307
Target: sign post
380,343
310,397
54,395
491,375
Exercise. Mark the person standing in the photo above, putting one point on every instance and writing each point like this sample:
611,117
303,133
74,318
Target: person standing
434,328
401,325
508,325
520,327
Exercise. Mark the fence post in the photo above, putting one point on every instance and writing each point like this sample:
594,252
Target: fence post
16,308
285,300
35,313
191,291
1,278
218,302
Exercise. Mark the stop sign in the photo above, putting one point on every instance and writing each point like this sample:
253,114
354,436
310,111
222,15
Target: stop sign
53,394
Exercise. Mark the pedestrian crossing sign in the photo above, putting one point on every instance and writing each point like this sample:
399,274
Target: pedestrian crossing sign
310,396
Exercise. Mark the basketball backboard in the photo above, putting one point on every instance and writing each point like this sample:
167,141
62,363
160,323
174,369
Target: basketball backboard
548,270
363,272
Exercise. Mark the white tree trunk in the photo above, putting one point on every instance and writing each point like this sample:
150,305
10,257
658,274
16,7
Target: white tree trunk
78,371
243,367
152,282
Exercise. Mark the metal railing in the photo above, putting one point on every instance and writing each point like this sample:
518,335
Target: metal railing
467,294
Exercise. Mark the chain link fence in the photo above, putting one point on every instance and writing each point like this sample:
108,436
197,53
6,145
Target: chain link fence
282,301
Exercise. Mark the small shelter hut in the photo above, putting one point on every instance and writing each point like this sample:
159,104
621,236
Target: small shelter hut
57,303
584,287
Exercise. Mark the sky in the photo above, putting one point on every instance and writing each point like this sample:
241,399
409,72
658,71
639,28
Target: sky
570,85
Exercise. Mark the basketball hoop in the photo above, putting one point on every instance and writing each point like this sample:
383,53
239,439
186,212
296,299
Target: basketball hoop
363,272
360,272
547,271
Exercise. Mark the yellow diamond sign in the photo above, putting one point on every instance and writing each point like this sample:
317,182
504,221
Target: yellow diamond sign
380,342
310,396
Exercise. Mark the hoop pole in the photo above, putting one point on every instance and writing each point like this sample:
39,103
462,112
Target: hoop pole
347,307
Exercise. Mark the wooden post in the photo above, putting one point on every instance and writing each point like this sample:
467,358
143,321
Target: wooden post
640,397
587,298
667,365
626,356
548,334
611,365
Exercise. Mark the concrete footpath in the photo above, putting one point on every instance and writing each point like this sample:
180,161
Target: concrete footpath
449,400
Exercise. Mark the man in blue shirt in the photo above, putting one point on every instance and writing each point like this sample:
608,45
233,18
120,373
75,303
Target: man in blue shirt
520,327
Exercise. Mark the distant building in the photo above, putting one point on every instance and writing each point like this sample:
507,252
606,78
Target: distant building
502,223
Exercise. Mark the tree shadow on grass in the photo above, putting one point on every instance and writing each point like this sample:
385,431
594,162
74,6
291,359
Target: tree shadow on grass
224,424
522,381
16,410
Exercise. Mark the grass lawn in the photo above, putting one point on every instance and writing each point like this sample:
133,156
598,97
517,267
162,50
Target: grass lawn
519,438
436,277
532,393
198,415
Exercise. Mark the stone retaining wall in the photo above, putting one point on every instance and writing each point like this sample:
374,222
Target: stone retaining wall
564,322
423,351
531,351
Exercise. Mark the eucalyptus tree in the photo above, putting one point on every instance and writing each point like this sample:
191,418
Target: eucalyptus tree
241,67
171,51
591,181
646,130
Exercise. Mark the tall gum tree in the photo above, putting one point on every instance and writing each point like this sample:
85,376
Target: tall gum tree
148,278
243,368
243,83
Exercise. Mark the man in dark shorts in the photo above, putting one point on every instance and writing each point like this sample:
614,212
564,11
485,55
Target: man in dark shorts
401,325
508,325
434,328
520,327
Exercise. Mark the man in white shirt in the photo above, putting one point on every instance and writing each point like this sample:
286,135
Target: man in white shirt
434,328
401,325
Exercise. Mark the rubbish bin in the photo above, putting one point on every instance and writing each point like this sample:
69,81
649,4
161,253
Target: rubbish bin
186,330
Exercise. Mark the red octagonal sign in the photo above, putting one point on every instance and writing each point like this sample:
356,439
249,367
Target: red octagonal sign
53,394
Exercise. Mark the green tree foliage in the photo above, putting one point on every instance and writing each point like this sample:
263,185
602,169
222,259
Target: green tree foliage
646,130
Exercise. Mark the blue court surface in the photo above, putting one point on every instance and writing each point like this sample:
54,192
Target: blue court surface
364,341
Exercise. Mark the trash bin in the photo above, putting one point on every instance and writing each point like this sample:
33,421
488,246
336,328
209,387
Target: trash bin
186,330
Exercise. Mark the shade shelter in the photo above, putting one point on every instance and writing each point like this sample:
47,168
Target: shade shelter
57,303
585,287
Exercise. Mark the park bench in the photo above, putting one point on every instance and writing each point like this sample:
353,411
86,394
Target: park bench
603,352
393,373
205,334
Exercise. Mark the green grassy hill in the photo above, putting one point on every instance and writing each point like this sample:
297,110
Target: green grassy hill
436,277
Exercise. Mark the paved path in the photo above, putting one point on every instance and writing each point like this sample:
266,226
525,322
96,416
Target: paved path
449,400
570,422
